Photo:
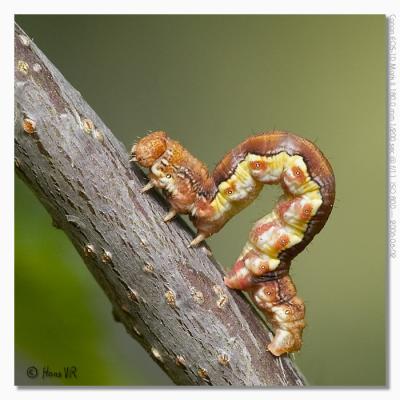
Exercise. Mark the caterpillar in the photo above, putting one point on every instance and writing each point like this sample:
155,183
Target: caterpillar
212,199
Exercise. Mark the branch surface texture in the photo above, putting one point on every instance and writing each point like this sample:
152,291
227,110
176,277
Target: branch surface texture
170,298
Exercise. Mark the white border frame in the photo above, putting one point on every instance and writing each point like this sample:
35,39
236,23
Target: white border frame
7,10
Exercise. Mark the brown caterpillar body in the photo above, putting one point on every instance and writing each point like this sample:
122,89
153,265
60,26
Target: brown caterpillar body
211,200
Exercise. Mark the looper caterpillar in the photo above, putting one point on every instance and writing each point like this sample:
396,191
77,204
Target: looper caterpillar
211,199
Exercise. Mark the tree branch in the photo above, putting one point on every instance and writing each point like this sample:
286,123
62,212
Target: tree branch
170,298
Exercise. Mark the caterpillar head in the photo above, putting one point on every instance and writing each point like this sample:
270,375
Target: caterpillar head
149,148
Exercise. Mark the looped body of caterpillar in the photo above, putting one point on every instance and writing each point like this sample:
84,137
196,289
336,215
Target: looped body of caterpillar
308,184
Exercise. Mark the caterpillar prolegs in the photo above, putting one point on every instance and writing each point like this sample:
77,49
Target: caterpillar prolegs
211,199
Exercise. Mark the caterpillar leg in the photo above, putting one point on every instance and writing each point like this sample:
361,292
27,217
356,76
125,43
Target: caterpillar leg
171,214
149,185
198,239
285,310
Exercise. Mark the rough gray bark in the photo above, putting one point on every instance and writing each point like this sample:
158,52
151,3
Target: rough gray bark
170,298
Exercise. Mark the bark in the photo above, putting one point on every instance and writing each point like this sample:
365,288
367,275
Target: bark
170,298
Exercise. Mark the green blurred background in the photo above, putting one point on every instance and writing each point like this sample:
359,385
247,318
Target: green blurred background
211,81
